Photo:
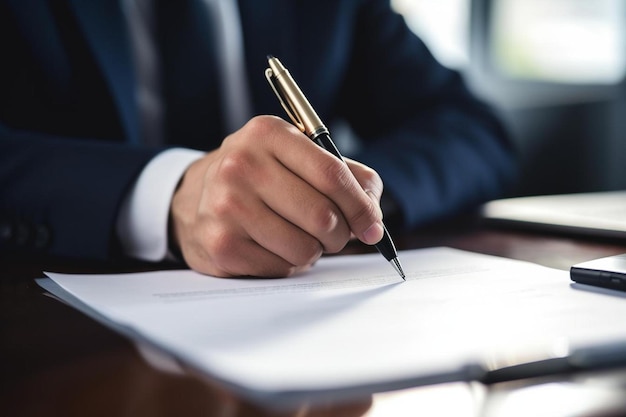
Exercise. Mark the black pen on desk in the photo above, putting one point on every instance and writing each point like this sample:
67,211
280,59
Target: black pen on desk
304,117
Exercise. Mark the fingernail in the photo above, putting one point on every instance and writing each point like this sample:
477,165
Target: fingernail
373,234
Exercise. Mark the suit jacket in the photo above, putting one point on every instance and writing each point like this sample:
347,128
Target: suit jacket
69,129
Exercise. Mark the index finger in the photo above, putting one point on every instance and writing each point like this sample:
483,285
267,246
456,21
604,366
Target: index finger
331,177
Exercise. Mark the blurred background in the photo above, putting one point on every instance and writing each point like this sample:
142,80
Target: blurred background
555,70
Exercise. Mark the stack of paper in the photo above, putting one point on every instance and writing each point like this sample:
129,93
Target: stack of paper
350,326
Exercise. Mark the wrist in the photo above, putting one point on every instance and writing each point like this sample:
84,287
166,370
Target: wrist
144,216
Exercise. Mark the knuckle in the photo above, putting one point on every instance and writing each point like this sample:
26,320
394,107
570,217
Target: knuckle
221,245
371,177
257,124
263,126
235,165
227,205
324,218
334,176
309,253
366,215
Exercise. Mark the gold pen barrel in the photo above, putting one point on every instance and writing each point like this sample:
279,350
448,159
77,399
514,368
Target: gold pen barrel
309,121
302,114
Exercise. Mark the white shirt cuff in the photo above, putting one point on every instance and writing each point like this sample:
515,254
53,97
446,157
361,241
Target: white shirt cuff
142,221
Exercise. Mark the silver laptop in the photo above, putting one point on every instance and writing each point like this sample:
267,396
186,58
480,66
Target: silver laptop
599,214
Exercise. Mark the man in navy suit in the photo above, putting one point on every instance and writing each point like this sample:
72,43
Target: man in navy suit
139,129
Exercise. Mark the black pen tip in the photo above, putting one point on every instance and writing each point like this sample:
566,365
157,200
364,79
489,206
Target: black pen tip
270,56
395,262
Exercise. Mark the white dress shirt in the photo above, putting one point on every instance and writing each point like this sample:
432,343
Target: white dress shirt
142,223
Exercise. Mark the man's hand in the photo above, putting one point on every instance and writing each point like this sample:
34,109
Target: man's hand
269,202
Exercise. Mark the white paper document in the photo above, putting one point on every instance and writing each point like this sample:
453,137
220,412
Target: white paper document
350,324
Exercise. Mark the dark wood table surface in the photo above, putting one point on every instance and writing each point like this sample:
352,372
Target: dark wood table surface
54,361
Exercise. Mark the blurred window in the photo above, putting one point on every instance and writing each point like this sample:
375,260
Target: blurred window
562,41
442,24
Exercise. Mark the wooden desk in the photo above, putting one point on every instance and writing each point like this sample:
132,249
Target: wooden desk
55,361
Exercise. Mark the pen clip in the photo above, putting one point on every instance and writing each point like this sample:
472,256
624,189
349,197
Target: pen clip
293,115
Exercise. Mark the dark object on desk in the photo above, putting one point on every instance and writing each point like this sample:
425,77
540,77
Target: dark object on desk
609,272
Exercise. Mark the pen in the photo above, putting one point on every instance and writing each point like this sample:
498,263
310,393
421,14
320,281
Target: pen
304,117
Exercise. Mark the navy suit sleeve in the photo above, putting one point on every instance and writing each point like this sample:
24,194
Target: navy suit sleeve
438,149
65,165
61,196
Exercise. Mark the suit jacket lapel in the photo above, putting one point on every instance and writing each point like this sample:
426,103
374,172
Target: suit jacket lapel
103,25
268,30
191,91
